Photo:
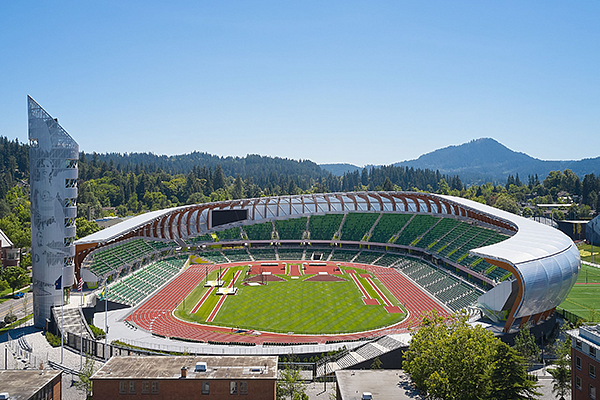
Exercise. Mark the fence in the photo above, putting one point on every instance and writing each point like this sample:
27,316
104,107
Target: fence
22,356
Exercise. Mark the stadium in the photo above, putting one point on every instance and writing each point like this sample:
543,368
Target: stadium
322,269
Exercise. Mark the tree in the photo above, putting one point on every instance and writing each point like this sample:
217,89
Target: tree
290,384
449,359
525,345
84,384
508,376
561,374
376,364
507,203
85,227
16,277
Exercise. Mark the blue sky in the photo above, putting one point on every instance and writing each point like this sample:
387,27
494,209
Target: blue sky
359,82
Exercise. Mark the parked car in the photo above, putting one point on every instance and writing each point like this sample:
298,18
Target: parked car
18,295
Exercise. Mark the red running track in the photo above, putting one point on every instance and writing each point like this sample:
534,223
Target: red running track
156,314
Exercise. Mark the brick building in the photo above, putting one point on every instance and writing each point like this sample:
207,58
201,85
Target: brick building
187,377
31,384
585,362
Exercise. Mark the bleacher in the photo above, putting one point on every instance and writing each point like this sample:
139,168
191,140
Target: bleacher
214,256
237,255
417,227
343,255
367,257
135,287
263,254
259,231
388,259
199,239
448,289
388,225
290,253
323,227
439,230
106,261
291,229
229,234
357,225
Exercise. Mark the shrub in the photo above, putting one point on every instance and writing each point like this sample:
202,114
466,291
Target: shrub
98,332
52,339
10,317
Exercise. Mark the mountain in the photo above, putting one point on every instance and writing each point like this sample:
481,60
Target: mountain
339,169
486,160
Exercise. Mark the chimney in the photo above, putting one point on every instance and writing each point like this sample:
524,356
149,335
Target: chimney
183,372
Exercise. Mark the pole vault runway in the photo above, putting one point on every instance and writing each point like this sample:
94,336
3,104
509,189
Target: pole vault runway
156,314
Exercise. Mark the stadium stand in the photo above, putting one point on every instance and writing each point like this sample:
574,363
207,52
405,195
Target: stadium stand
229,234
343,255
107,261
237,255
290,253
263,254
258,231
357,225
323,227
388,226
367,257
199,239
417,227
443,226
132,289
291,229
213,256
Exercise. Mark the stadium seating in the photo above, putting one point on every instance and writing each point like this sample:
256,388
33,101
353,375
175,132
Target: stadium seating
388,225
388,260
213,256
237,255
290,253
135,287
343,255
199,239
263,254
229,234
417,227
107,261
323,227
259,231
291,229
440,229
357,225
367,257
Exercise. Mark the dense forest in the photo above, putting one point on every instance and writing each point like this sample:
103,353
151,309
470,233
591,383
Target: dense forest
129,184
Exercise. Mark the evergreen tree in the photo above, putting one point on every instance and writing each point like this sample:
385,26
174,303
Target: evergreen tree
508,378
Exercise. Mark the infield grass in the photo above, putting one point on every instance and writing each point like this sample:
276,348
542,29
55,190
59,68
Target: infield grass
295,305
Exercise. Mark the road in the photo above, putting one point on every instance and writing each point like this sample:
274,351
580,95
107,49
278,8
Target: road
17,306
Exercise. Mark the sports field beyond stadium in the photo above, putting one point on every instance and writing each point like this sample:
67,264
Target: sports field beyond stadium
584,298
305,303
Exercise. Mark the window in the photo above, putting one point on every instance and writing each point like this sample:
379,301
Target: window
122,387
67,261
243,387
233,387
71,163
69,222
70,202
578,382
68,241
578,362
592,351
154,387
592,369
578,344
70,183
131,387
205,387
592,391
145,387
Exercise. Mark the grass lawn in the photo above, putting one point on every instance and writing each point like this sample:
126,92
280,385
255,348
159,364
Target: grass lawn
584,299
585,250
295,305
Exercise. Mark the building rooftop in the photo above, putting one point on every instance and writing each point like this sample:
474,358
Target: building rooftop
169,367
588,333
22,384
385,384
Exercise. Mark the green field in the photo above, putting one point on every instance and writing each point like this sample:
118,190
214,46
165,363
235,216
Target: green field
584,299
294,305
585,251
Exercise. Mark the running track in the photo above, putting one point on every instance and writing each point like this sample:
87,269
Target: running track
156,314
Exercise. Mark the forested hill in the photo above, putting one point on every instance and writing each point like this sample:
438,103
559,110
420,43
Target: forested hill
486,160
252,165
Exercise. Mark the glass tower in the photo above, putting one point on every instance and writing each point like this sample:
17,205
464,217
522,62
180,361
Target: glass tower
53,157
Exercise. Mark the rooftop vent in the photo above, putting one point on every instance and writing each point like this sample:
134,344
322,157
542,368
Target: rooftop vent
200,366
4,396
